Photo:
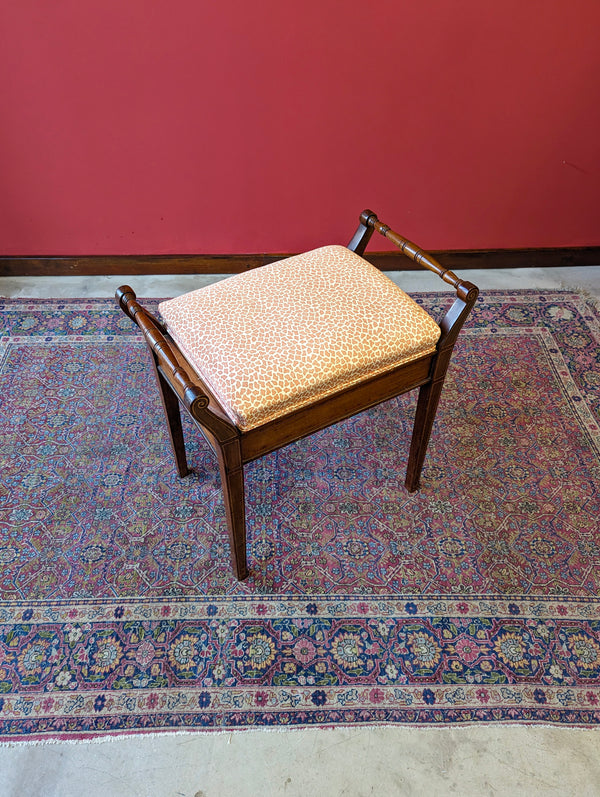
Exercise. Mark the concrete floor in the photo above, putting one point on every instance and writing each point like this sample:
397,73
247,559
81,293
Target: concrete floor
586,278
349,762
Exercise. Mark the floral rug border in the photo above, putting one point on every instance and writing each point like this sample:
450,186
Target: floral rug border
467,632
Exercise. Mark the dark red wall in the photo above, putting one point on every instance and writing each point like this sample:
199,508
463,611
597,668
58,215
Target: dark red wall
175,126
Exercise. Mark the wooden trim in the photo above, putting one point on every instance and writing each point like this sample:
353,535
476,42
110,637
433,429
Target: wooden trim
232,264
131,264
306,420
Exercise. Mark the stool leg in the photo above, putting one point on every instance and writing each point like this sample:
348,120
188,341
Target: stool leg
429,396
232,481
170,404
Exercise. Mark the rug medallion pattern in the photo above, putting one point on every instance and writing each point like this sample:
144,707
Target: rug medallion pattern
475,599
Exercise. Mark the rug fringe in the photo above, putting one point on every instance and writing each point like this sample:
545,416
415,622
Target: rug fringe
210,732
585,293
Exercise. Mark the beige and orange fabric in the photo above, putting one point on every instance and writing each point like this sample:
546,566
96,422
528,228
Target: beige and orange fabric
283,336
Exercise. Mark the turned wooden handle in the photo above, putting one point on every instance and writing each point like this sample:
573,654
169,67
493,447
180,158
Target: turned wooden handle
422,258
153,331
466,292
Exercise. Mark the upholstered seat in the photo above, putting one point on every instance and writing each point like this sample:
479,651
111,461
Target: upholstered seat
289,334
272,355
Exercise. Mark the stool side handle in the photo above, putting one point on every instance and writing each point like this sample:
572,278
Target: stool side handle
188,392
466,292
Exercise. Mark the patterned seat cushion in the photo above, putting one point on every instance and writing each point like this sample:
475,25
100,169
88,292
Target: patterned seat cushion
283,336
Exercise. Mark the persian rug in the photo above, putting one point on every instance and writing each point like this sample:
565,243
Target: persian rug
474,600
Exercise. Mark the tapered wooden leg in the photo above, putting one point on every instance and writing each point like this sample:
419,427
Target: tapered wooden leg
429,396
232,481
170,404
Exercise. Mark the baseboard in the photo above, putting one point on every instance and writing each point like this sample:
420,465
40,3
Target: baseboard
456,259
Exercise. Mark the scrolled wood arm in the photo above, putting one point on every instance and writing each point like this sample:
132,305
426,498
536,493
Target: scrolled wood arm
189,393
